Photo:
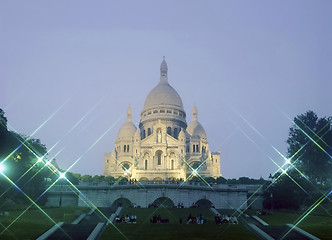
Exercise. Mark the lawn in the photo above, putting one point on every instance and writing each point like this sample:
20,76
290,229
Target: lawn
32,223
318,225
143,229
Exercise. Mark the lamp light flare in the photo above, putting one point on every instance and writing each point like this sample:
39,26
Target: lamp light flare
40,159
287,160
62,175
2,168
194,172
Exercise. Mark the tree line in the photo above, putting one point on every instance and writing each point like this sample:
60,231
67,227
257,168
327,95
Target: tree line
305,178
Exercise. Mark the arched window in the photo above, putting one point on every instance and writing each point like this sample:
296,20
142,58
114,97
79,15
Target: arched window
127,148
124,148
172,164
143,134
169,131
176,133
146,164
125,166
158,154
149,131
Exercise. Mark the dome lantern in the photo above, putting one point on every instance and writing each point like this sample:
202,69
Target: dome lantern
194,113
129,114
163,71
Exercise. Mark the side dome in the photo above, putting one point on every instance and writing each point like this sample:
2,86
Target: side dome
128,129
195,129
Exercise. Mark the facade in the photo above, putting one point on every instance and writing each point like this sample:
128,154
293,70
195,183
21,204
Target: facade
163,146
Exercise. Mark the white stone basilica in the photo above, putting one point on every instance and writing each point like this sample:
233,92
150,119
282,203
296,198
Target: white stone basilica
163,147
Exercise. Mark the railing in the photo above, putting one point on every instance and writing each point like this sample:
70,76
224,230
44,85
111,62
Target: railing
68,188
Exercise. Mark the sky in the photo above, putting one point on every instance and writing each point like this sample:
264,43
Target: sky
70,68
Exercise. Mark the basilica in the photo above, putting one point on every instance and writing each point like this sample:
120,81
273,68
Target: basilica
163,146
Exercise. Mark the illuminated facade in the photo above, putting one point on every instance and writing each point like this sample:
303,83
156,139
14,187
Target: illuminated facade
163,146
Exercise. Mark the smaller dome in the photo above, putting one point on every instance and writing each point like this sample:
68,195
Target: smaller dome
128,129
195,129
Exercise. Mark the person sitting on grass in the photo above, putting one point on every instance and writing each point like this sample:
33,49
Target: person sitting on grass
200,219
234,220
190,219
132,219
117,219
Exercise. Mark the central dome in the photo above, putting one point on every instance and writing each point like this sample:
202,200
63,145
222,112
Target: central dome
163,104
163,95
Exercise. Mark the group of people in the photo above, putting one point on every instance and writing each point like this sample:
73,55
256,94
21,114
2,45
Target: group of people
199,219
126,219
221,219
180,205
157,219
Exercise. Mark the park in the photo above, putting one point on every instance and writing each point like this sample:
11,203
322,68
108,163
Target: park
161,120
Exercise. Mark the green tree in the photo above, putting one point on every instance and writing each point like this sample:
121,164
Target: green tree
86,178
310,146
221,180
98,178
19,155
289,191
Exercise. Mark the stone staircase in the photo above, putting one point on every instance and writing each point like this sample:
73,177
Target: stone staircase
91,226
264,231
282,232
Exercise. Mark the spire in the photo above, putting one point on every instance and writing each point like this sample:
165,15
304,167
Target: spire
129,112
194,113
163,71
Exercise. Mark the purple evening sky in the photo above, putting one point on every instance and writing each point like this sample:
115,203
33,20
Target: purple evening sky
69,69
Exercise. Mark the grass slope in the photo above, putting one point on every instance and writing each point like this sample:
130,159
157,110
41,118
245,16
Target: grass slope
32,223
318,225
